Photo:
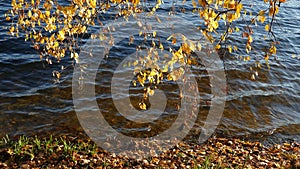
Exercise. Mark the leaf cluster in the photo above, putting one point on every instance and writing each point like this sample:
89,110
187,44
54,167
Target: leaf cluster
55,30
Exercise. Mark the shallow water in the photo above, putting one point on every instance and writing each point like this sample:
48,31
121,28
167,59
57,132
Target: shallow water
268,109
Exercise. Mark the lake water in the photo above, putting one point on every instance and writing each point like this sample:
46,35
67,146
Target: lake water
267,109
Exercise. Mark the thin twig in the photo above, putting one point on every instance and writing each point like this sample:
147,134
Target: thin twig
273,17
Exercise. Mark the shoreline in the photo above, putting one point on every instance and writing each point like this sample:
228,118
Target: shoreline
78,151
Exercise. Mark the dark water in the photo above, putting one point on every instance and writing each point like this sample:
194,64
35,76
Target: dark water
268,109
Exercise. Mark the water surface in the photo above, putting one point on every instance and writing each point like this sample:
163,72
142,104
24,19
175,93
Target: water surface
268,109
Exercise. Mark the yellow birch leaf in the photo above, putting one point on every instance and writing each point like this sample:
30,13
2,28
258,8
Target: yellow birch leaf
174,40
262,19
229,48
224,16
56,44
154,34
29,14
218,46
199,46
252,77
247,58
250,39
267,27
143,106
273,11
239,7
135,63
166,68
235,48
151,92
92,3
272,50
261,13
161,46
192,46
194,3
266,57
169,37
